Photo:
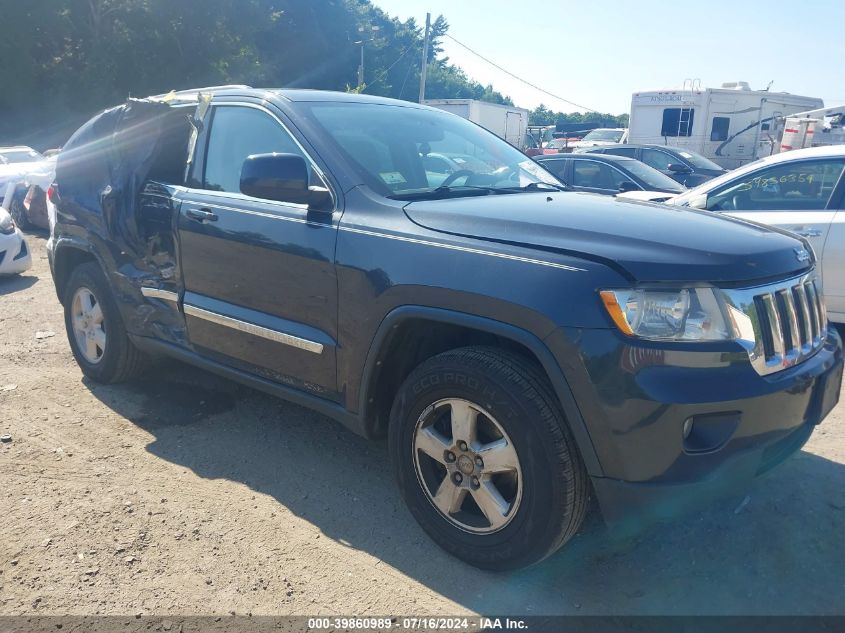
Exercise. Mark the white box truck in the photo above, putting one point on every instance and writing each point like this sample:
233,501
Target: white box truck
507,122
731,125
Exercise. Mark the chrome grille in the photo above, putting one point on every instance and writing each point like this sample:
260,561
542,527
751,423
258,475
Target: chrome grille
780,324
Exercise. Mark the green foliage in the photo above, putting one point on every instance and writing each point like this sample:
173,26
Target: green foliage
65,59
541,115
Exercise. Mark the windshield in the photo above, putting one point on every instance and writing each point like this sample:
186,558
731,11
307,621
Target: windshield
558,143
710,185
408,153
604,135
697,160
652,178
20,156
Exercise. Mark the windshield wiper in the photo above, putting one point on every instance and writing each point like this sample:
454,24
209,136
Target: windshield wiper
446,191
536,186
452,188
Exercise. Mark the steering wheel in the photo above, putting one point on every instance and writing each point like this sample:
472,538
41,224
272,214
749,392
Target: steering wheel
455,175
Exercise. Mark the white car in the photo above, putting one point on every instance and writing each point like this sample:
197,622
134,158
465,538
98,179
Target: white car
601,136
16,165
802,191
14,252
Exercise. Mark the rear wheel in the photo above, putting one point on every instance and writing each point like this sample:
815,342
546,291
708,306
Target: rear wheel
484,459
95,329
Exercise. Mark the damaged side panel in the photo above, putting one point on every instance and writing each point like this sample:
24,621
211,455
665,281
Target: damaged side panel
118,178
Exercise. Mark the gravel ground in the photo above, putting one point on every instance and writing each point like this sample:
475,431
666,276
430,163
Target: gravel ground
185,494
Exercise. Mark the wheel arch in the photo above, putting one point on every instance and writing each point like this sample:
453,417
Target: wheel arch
66,256
385,369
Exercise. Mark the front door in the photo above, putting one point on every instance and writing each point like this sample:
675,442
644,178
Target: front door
833,263
597,177
260,284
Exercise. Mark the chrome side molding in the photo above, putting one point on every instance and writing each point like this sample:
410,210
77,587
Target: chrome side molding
255,330
158,293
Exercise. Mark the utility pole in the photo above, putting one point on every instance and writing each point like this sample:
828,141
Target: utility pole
373,30
361,68
425,56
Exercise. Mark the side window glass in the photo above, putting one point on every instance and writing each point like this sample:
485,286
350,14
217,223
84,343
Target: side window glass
677,122
802,186
657,159
617,178
721,125
593,175
630,152
238,132
557,167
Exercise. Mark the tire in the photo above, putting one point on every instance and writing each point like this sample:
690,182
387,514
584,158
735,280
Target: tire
18,212
542,501
115,358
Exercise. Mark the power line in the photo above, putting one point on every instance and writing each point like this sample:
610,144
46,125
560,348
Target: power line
387,70
518,78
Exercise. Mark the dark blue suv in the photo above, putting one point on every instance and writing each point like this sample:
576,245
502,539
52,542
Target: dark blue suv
522,347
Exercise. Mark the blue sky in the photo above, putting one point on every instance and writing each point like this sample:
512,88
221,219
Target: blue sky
598,53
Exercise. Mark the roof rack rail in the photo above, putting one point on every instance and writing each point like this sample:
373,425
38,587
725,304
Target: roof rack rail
193,91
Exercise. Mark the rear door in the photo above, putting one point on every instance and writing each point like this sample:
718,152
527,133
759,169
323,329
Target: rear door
260,285
794,195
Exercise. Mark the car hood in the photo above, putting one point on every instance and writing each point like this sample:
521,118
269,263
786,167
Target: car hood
650,242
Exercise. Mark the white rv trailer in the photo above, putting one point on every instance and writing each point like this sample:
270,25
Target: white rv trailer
507,122
731,125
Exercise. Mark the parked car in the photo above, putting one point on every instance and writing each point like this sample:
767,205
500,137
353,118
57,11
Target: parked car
688,168
559,145
802,191
17,164
14,252
520,346
33,212
601,136
19,154
610,175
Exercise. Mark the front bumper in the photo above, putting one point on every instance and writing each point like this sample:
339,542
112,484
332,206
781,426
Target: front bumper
636,400
15,257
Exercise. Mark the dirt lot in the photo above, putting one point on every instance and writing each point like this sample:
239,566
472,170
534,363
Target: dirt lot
186,494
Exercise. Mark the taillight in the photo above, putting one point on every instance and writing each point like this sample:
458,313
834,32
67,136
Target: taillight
53,193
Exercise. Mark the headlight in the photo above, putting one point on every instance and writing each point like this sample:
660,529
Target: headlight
687,314
7,225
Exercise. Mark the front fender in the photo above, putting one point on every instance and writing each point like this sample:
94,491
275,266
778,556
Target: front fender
504,330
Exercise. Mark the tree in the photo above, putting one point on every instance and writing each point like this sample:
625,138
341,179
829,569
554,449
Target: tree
66,59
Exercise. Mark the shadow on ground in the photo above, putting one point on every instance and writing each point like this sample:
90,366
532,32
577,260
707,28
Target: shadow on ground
13,283
781,552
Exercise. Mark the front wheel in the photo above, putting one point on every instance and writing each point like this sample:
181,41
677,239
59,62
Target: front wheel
484,459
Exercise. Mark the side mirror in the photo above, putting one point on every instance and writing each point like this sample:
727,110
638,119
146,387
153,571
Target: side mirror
282,177
678,168
627,185
699,202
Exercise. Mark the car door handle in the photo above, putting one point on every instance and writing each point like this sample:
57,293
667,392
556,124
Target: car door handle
809,232
201,215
